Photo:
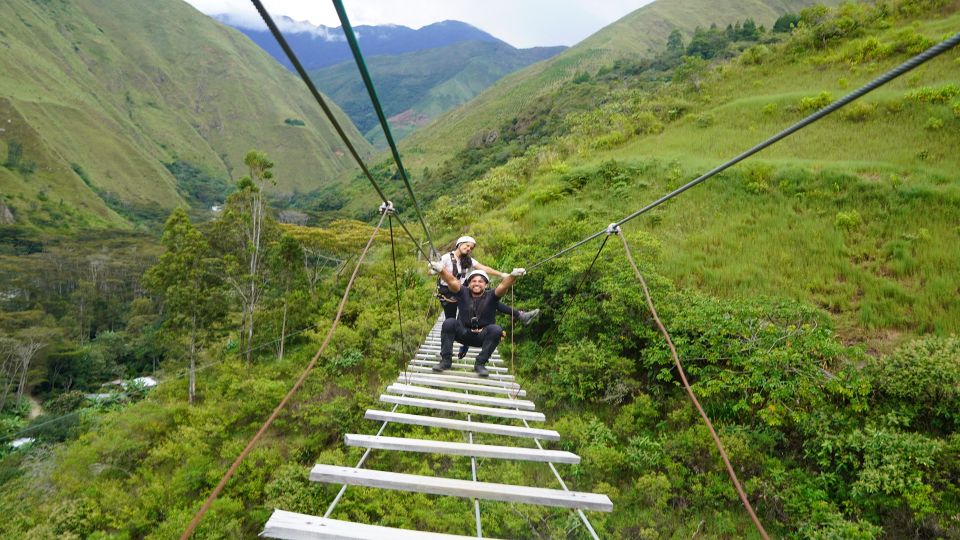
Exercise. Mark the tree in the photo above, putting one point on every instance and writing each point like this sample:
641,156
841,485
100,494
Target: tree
187,281
243,232
786,23
286,265
675,43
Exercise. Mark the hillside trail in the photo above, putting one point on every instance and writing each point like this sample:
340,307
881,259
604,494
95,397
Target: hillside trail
35,408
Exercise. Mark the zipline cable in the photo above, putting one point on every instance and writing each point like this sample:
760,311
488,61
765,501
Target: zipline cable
909,65
368,82
276,412
326,109
686,386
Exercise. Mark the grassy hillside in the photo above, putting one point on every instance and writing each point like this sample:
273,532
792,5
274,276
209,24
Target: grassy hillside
416,87
635,35
98,97
857,213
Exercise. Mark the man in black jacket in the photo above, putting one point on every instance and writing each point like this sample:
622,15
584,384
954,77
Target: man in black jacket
476,322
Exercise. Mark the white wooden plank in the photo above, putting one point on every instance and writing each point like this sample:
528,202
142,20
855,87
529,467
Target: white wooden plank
460,488
462,407
293,526
440,383
446,376
455,373
462,425
457,365
470,356
446,395
426,446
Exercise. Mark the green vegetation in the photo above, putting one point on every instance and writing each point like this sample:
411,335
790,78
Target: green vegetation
154,116
811,294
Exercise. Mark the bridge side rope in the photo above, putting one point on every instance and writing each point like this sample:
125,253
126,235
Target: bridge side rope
396,282
686,386
905,67
326,109
276,412
368,82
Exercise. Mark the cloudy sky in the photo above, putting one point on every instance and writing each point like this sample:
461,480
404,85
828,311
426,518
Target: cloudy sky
521,23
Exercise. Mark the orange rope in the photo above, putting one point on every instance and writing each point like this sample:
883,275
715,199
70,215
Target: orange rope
686,386
276,412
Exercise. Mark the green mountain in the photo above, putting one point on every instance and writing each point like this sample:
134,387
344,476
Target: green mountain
416,87
635,35
110,116
793,287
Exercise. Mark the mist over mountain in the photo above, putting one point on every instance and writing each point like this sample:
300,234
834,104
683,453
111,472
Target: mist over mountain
322,46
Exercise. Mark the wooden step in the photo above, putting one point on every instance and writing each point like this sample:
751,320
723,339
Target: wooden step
460,488
445,395
464,408
457,365
462,425
293,526
456,373
439,383
487,381
426,446
435,356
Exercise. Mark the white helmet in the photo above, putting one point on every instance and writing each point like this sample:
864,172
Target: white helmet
480,273
463,239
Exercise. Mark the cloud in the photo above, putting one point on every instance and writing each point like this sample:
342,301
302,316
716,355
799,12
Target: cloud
252,21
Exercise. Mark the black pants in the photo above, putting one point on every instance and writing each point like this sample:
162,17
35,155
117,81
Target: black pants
450,309
487,339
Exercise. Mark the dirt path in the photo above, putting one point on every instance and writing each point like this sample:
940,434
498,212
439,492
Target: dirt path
35,408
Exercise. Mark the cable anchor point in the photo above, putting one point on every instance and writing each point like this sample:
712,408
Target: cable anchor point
387,208
613,228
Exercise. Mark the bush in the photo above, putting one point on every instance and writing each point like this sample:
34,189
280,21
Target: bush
859,111
848,220
815,103
585,372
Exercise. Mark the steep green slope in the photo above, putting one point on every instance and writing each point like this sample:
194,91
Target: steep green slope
634,35
98,96
416,87
856,213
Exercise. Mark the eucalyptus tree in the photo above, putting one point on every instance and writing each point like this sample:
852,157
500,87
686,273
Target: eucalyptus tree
187,280
242,234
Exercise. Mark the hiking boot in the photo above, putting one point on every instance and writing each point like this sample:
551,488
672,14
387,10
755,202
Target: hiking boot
444,364
481,370
463,352
527,317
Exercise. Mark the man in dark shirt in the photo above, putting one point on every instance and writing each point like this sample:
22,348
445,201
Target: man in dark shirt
476,321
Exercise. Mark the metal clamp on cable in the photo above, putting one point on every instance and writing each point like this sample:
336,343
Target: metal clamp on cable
613,228
387,208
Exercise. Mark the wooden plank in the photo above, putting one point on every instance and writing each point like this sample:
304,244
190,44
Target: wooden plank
471,374
464,408
462,425
457,365
487,381
426,446
440,383
293,526
460,488
445,395
435,357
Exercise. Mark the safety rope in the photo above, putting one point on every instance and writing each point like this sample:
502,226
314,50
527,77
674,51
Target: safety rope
368,82
396,282
909,65
283,402
326,109
693,397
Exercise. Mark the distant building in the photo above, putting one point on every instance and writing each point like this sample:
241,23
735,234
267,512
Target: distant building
17,443
217,208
